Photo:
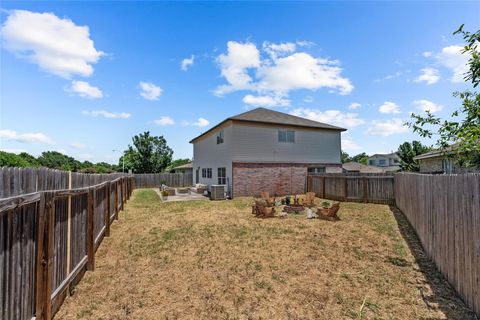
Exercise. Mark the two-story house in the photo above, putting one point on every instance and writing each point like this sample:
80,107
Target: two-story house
388,162
265,150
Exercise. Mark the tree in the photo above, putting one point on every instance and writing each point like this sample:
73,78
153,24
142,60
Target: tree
57,160
32,161
360,158
177,162
462,131
407,151
344,157
148,154
8,159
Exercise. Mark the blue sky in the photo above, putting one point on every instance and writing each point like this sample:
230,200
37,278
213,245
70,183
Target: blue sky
84,77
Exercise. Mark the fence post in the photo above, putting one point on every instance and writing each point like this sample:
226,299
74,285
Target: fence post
121,194
116,200
44,257
323,187
365,189
345,189
90,236
107,210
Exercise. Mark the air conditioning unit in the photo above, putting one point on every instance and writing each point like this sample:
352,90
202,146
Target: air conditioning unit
217,192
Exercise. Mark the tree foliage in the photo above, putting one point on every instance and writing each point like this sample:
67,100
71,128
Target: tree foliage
407,151
53,160
360,158
345,157
177,162
148,154
462,131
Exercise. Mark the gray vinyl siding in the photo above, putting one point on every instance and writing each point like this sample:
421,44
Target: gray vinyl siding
254,143
208,154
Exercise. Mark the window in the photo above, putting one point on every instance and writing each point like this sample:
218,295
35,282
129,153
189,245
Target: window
220,137
286,136
316,170
222,176
382,162
207,173
371,162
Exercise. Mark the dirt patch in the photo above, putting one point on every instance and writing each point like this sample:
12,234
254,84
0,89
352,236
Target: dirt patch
214,260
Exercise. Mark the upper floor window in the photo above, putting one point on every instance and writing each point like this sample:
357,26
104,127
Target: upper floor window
286,136
220,137
382,162
222,176
371,162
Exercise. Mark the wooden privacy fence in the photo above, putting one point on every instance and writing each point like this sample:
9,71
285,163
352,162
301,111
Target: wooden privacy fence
355,188
16,181
154,180
48,240
444,210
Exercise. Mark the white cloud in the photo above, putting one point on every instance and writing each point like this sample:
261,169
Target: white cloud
308,99
234,65
56,45
16,151
354,106
164,121
429,76
452,58
36,137
266,101
427,54
107,114
187,63
77,145
279,49
389,107
349,145
302,71
387,128
425,105
201,122
390,76
84,89
334,117
150,91
281,71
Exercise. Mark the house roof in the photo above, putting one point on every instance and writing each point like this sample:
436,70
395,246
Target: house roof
436,153
355,166
386,155
184,166
267,116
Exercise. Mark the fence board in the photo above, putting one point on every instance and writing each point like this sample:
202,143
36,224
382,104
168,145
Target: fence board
444,210
154,180
375,188
34,273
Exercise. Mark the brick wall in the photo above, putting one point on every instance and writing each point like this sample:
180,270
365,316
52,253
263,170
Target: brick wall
276,178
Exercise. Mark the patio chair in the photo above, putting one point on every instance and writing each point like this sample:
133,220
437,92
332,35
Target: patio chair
309,199
270,202
261,210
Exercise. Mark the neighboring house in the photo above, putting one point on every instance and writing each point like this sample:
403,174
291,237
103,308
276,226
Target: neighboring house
184,168
387,162
265,150
442,161
349,167
435,162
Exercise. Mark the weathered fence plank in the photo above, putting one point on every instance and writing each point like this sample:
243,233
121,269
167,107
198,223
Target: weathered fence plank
444,210
155,180
356,188
49,239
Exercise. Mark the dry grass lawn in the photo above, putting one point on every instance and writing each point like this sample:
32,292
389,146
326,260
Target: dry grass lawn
214,260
